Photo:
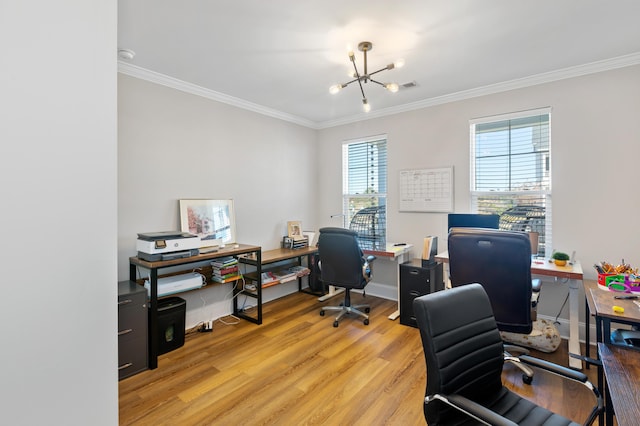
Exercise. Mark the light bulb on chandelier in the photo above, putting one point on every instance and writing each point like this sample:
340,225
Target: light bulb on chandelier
364,47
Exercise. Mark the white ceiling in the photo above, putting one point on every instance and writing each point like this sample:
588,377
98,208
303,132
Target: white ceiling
279,57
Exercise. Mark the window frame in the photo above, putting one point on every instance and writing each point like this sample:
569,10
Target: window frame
381,196
546,174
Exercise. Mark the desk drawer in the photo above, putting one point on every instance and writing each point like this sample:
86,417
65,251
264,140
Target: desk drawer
416,281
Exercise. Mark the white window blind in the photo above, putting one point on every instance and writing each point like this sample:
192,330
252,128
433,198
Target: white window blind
364,188
510,171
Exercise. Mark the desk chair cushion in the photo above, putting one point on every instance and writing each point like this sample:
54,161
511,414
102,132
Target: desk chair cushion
544,337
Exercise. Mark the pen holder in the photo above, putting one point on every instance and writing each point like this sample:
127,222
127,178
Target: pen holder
602,280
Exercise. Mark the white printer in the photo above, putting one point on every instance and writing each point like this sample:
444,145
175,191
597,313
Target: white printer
167,245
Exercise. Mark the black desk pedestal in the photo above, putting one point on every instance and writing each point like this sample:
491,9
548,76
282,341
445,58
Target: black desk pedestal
416,281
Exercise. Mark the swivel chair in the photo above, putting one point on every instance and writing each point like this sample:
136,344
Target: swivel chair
464,359
500,261
342,264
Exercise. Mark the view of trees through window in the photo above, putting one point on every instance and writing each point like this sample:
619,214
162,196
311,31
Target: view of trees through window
510,172
365,188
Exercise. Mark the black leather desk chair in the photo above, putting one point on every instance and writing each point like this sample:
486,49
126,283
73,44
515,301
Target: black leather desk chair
342,264
500,261
464,355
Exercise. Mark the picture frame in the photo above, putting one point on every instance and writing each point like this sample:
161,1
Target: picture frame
212,220
294,230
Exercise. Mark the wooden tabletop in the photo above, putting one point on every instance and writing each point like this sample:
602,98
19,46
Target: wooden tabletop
229,250
539,267
622,370
391,250
601,303
276,255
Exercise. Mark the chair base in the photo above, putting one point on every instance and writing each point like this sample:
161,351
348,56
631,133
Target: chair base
346,308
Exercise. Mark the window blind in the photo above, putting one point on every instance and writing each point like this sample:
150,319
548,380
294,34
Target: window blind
511,173
365,186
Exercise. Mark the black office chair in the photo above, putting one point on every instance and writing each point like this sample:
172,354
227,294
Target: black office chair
464,358
501,262
342,264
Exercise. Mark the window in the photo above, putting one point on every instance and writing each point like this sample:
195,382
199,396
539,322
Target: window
364,189
510,172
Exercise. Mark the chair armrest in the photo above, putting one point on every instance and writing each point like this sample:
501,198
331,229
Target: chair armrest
536,285
570,374
554,368
472,409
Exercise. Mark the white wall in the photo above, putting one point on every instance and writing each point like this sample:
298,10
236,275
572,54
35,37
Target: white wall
175,145
595,143
58,363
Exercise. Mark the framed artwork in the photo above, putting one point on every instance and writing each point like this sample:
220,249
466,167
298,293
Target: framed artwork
212,220
294,230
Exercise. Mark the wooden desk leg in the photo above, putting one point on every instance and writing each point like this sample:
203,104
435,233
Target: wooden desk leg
574,342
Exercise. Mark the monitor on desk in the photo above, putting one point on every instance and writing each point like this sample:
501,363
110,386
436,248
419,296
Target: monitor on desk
472,220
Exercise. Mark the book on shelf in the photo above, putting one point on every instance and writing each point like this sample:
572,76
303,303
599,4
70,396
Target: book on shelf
224,262
225,271
224,276
268,277
285,276
300,270
222,280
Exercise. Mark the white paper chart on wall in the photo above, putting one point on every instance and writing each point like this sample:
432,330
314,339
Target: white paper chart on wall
426,190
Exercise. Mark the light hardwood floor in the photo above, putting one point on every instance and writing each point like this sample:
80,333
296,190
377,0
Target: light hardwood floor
297,369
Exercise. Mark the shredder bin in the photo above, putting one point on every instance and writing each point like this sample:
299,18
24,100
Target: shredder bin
171,324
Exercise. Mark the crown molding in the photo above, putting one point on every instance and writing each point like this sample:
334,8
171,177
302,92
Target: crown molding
571,72
174,83
534,80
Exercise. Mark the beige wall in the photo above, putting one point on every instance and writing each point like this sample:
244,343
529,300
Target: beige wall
174,145
595,142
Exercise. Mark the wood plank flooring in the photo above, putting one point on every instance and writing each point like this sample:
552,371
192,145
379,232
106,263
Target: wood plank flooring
297,369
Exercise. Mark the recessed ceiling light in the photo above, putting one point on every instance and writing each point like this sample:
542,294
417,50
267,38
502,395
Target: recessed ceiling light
126,54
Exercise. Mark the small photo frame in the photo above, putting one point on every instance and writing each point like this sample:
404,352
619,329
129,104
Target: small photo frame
294,230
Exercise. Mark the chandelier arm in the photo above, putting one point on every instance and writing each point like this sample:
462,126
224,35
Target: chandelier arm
376,81
380,70
358,78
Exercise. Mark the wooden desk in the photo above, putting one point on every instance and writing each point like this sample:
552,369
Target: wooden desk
574,275
600,304
284,254
399,254
622,371
154,267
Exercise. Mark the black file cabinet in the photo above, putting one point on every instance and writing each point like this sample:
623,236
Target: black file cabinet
416,281
132,329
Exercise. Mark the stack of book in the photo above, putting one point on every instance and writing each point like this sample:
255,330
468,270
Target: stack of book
300,271
225,269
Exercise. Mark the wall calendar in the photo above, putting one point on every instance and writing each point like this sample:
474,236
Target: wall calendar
426,190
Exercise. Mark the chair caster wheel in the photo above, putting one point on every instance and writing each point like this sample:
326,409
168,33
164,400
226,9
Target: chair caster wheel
526,379
335,323
366,321
321,313
367,310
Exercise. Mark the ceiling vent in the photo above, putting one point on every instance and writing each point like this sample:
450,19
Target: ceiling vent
409,85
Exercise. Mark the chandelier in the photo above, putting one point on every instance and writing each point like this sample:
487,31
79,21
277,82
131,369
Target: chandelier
365,47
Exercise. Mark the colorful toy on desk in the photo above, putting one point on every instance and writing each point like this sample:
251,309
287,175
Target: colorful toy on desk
625,283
